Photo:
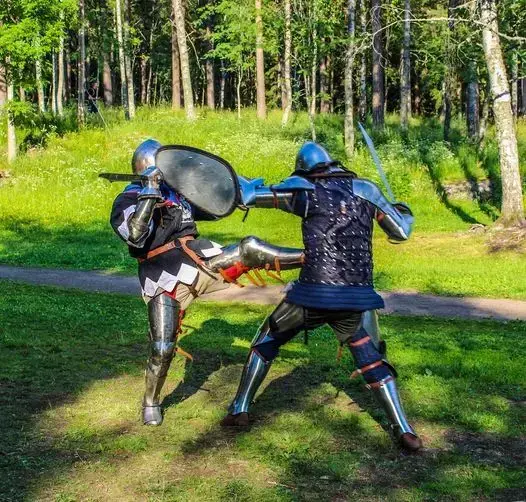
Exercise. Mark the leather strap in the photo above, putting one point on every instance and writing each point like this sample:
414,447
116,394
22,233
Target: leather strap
361,341
381,383
179,242
365,369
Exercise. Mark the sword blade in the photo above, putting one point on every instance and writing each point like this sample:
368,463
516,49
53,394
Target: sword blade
376,159
111,177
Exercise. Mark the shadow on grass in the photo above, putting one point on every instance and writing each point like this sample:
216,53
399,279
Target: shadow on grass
57,344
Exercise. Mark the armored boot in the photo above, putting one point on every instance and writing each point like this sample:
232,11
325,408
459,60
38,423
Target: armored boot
164,319
254,372
386,393
369,353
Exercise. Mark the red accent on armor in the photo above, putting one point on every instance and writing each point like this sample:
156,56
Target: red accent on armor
231,274
365,369
361,341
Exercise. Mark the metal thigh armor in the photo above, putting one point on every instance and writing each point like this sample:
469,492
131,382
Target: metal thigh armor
164,318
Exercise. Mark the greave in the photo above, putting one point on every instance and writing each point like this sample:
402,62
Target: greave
156,372
254,372
387,395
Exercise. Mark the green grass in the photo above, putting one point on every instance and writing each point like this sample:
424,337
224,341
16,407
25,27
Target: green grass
55,210
71,379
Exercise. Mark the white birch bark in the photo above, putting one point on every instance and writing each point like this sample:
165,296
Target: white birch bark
286,65
183,56
261,104
349,94
122,64
512,210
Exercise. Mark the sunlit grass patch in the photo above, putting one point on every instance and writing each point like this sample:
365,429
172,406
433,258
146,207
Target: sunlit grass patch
71,380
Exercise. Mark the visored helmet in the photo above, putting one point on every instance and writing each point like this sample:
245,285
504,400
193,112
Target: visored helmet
144,155
312,156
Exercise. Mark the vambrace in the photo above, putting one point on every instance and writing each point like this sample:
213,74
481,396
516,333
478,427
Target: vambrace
396,220
254,253
139,225
280,196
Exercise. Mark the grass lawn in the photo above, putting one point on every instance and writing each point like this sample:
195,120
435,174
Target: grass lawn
71,379
54,210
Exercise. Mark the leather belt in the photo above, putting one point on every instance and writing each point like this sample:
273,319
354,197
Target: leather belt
180,242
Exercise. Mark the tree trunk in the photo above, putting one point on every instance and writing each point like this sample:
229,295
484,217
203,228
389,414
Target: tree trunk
54,82
128,60
378,70
405,80
222,84
60,78
472,102
176,70
122,64
523,94
308,96
512,211
513,83
144,78
81,109
11,135
22,94
324,85
40,86
183,56
69,73
281,83
314,66
238,91
3,86
286,65
260,65
107,83
362,105
210,74
349,95
485,113
449,81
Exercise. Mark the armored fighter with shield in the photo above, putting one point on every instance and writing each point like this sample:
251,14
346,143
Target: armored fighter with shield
171,188
335,286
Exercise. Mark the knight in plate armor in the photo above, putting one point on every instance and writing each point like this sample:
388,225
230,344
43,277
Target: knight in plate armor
335,285
175,266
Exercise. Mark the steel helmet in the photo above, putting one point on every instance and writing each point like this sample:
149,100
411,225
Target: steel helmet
144,155
312,156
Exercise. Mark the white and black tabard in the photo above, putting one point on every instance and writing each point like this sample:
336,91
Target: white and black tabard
174,220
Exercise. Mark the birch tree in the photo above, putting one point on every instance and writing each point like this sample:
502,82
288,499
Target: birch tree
286,65
122,63
349,95
81,80
512,209
378,69
405,70
184,59
128,60
260,64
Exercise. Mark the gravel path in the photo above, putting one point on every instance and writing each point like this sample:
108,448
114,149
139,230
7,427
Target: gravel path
403,303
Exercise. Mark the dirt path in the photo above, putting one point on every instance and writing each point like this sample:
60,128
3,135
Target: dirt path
403,303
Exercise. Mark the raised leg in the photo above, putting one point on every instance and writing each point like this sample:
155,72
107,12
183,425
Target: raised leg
253,253
280,327
164,315
368,352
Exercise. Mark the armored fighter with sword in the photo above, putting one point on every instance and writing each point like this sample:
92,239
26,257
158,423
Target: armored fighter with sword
172,188
335,286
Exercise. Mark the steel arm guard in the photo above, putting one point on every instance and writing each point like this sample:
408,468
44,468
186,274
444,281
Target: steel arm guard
396,220
139,225
254,193
252,252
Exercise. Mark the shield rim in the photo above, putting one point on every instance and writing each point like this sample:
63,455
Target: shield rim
237,197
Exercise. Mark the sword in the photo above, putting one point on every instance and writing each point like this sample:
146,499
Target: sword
111,177
376,159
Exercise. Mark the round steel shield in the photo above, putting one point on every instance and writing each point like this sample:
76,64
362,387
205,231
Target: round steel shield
206,181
